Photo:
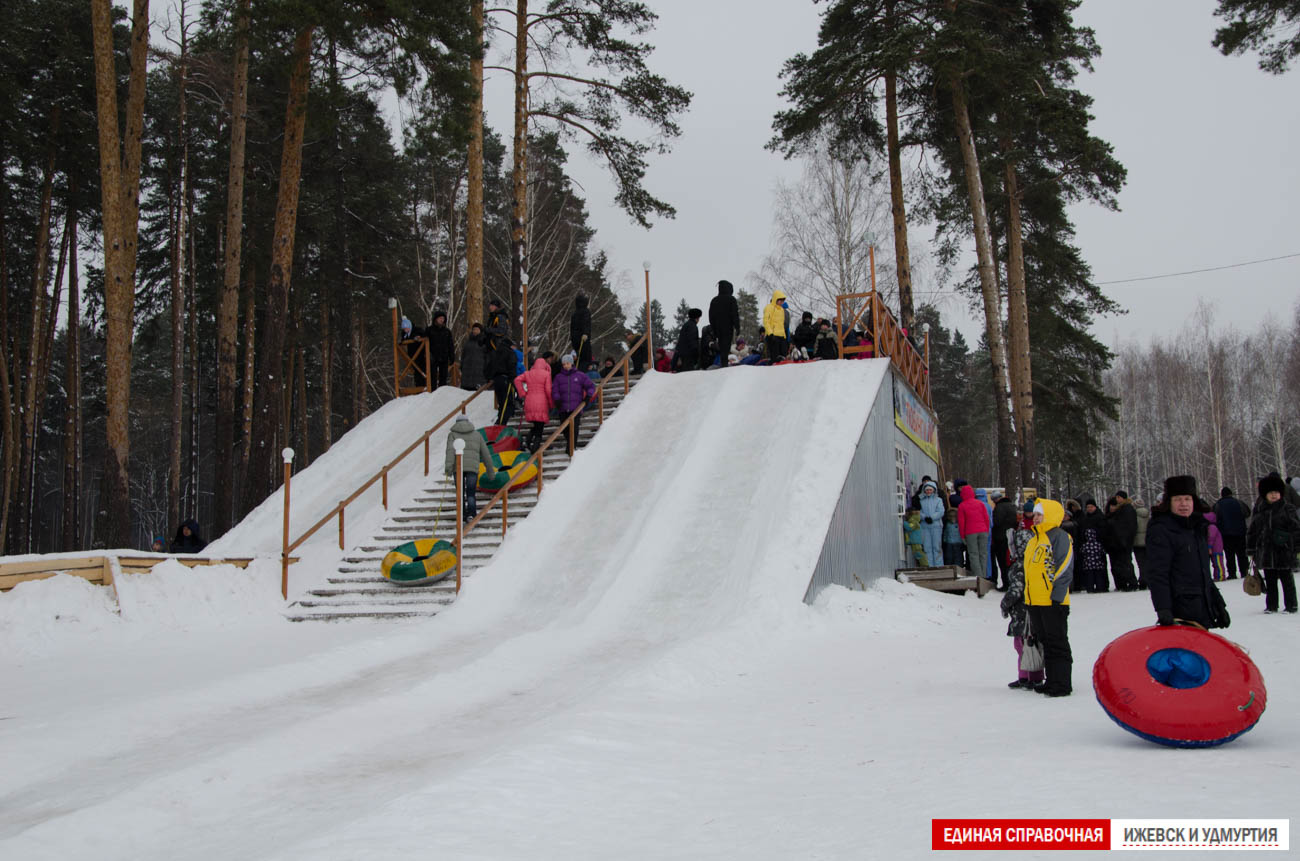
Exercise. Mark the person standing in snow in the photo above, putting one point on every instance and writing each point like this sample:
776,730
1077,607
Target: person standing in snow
1215,539
1140,541
580,331
473,359
824,345
1049,567
501,370
724,317
954,551
1121,528
570,390
477,451
498,324
804,335
442,349
774,328
1231,516
1273,539
914,539
188,539
534,386
1090,529
1013,602
1178,559
974,524
1005,519
931,507
686,353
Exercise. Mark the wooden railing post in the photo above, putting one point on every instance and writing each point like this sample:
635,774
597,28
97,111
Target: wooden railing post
600,412
541,455
287,454
383,483
505,509
342,508
649,335
426,455
459,446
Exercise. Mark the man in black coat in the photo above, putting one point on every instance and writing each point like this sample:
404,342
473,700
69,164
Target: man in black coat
442,348
498,324
501,371
1273,539
1232,517
1178,559
1005,517
1122,521
724,317
686,355
580,331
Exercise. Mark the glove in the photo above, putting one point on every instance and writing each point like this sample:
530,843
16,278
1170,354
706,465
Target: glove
1164,617
1057,604
929,520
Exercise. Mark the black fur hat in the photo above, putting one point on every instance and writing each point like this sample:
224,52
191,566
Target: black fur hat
1271,482
1180,485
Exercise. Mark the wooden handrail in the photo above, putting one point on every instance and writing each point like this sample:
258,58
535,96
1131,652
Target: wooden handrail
382,474
887,337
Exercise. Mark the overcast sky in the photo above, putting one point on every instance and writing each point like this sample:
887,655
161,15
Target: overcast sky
1210,144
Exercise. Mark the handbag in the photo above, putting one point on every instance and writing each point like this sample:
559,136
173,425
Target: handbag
1031,657
1252,583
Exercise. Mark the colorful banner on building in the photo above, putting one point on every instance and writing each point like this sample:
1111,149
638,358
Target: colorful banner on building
915,419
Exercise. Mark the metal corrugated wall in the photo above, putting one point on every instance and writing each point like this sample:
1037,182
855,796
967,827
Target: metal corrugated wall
862,541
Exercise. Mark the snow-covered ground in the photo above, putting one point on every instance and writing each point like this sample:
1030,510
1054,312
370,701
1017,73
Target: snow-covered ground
634,676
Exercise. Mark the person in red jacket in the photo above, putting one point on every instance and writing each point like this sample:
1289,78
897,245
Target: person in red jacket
973,525
534,387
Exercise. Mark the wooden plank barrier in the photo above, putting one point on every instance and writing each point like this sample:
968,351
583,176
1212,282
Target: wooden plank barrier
98,567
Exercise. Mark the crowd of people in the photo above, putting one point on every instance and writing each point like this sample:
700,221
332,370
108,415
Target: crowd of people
1041,553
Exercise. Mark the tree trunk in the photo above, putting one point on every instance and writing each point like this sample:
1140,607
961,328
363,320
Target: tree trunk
474,201
8,436
519,173
250,332
902,259
176,217
267,418
71,539
1022,379
988,286
119,164
34,381
327,373
228,303
191,505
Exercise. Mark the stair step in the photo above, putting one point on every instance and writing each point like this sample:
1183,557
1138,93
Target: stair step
405,602
373,592
313,615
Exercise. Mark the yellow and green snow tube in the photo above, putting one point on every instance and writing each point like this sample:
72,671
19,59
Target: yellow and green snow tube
417,563
510,466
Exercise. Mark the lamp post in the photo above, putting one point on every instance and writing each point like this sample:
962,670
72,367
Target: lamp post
925,330
523,285
287,454
649,335
397,373
459,447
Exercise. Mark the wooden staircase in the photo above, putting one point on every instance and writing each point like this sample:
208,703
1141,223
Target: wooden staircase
358,589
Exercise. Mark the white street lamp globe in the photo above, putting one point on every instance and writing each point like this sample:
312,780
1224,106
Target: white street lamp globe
458,446
287,454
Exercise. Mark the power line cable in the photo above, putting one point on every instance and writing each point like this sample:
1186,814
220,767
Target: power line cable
1196,271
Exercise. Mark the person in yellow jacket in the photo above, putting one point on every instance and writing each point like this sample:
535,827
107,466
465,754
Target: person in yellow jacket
774,327
1049,570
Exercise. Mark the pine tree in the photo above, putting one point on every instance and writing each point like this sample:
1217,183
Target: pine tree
1271,27
748,304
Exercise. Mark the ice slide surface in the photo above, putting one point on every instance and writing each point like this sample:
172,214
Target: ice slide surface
704,498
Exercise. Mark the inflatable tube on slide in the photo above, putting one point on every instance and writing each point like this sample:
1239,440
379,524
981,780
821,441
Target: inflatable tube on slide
418,563
501,438
512,466
1179,686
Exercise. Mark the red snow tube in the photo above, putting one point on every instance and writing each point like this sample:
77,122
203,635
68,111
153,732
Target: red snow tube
1179,686
501,438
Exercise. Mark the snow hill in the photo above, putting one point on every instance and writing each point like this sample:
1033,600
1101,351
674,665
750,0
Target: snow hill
635,675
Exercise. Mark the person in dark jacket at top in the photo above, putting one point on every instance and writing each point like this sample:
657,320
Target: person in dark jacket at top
686,355
824,345
1232,516
805,334
501,371
1049,567
1005,518
1178,559
442,349
498,324
1121,532
473,358
724,317
580,331
641,356
1273,539
188,539
570,389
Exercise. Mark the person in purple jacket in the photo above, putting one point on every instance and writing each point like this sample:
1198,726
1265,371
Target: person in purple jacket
571,389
